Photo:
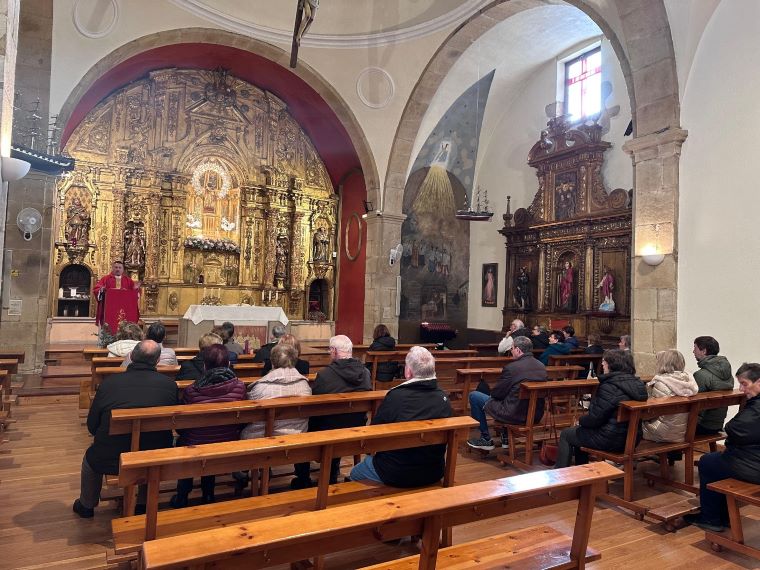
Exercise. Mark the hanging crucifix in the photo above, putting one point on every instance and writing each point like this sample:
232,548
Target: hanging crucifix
305,13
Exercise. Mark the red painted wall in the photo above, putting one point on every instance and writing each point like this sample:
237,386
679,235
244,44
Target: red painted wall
305,105
350,302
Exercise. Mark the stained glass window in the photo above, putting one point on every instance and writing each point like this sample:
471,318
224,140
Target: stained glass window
583,85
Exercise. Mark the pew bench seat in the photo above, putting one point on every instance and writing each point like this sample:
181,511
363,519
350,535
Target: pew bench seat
129,532
644,449
535,547
736,492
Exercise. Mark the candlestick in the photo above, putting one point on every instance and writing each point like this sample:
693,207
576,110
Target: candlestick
204,292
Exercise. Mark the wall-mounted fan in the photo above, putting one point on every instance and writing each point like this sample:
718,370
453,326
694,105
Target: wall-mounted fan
29,221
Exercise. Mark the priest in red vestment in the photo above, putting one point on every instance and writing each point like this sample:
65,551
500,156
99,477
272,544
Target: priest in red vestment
114,280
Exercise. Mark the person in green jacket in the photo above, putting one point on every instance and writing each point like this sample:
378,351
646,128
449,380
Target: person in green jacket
714,374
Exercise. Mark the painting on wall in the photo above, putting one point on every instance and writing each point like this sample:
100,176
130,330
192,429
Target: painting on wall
490,285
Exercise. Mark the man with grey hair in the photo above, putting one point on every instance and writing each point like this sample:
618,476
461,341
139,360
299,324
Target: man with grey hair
343,374
262,354
516,329
504,404
141,386
419,398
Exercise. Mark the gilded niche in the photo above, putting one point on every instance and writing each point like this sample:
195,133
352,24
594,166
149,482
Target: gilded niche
198,180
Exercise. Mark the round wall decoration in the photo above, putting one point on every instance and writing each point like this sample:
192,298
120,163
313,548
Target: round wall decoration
375,87
95,18
354,221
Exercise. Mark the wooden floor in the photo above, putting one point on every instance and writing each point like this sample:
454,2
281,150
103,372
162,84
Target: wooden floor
39,479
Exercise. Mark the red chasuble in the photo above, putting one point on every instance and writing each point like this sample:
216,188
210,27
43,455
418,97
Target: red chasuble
101,288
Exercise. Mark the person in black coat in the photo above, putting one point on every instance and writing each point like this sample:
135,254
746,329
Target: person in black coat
570,337
343,374
194,369
539,337
599,429
594,344
302,366
262,354
740,460
504,404
419,398
386,371
139,387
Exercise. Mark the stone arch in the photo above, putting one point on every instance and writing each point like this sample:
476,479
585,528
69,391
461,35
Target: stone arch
645,52
331,97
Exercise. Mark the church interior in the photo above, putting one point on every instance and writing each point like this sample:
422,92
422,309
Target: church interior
506,183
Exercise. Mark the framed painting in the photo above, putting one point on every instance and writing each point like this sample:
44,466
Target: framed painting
490,285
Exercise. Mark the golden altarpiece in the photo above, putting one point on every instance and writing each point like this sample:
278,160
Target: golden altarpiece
209,191
568,254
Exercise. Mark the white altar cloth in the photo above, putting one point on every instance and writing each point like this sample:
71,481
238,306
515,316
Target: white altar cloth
239,315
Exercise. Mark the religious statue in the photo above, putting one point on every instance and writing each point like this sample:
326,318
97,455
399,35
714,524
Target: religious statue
315,314
566,287
321,246
281,257
606,287
134,247
77,223
188,272
309,11
522,295
231,275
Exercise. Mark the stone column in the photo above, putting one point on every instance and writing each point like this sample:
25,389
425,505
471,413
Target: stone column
9,13
655,222
383,233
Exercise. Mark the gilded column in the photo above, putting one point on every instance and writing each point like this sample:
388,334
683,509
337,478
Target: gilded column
541,277
590,282
117,243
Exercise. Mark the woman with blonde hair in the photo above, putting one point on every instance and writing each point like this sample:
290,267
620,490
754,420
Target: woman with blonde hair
670,380
127,337
301,365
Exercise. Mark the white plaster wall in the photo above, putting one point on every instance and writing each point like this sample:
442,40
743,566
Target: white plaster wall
503,168
74,54
719,248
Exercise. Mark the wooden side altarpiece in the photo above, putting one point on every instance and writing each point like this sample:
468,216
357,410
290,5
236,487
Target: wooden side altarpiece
209,191
569,254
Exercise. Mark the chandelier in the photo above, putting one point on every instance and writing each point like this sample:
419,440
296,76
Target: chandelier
208,166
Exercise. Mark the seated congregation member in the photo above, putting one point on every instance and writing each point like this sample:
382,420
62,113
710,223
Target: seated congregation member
504,404
217,384
539,337
157,332
127,337
624,343
419,398
262,354
594,344
194,368
139,387
599,429
231,344
343,374
302,366
714,374
570,337
669,380
516,328
556,347
382,340
740,460
283,380
224,334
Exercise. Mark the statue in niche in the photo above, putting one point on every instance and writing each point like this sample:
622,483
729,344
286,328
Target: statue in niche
281,257
564,207
566,282
189,272
321,246
231,274
522,295
134,247
606,287
77,223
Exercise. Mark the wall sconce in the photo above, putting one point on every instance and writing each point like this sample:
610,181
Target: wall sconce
651,257
368,207
12,169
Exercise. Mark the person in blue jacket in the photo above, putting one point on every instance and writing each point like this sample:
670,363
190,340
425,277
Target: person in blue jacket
556,346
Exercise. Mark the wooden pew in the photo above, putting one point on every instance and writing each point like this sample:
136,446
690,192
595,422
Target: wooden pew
182,384
101,373
736,492
18,355
583,360
398,356
470,377
9,364
360,350
135,421
533,391
217,458
485,348
95,352
301,536
634,413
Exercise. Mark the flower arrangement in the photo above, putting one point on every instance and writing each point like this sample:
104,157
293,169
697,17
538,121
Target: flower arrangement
208,244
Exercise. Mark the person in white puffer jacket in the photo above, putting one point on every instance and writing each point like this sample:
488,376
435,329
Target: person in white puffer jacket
670,380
